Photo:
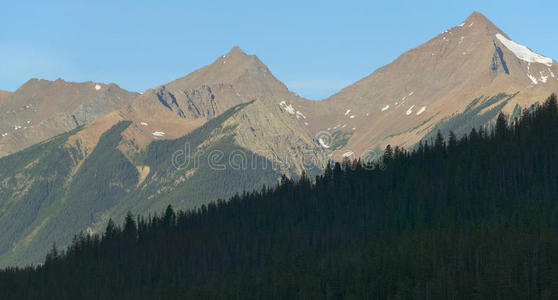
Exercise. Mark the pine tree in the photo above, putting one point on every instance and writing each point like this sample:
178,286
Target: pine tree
169,218
501,126
52,255
130,228
388,154
111,231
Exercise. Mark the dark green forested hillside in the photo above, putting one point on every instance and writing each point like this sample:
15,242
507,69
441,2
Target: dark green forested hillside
473,218
31,190
50,191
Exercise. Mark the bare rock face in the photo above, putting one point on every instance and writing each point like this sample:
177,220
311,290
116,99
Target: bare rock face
41,109
263,127
402,102
279,136
232,79
178,107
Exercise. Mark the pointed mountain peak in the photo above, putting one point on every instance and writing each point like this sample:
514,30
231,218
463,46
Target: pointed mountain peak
245,71
235,63
236,51
476,19
235,56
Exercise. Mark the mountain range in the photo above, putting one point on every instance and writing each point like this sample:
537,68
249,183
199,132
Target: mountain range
41,109
78,154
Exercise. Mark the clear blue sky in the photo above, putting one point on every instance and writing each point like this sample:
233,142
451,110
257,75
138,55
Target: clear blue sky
316,48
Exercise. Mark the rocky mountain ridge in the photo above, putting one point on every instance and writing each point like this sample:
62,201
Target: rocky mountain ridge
117,149
41,109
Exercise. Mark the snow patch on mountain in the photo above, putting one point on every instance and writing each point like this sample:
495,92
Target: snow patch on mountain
543,78
289,108
523,52
322,143
421,110
348,153
299,114
97,87
533,79
404,98
410,110
386,107
347,112
158,133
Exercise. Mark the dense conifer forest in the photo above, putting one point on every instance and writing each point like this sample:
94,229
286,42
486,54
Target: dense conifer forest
468,218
